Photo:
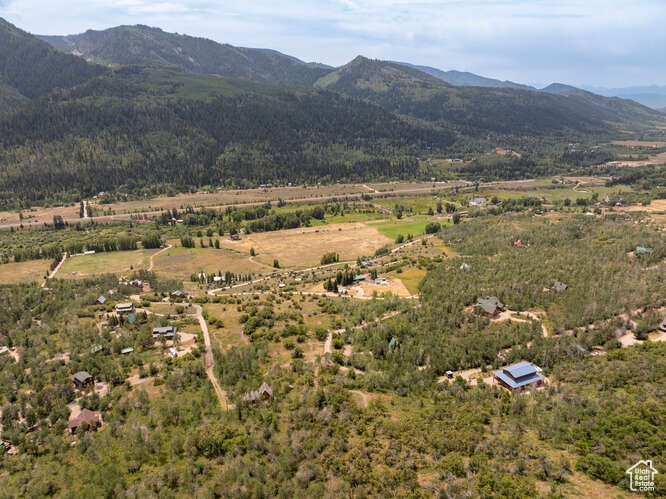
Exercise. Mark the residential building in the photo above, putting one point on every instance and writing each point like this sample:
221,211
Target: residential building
167,332
519,376
91,418
125,308
490,306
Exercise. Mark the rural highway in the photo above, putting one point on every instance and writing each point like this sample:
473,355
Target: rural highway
127,216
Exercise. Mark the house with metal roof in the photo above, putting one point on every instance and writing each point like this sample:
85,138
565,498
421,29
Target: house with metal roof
490,306
642,250
165,331
127,350
125,308
83,379
179,293
101,300
519,376
559,287
477,201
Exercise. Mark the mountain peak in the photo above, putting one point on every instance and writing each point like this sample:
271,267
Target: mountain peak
149,46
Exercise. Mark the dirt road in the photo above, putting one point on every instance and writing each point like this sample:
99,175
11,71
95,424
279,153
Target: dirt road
210,361
55,270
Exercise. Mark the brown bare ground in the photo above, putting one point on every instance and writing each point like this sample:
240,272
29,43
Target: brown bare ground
39,214
639,143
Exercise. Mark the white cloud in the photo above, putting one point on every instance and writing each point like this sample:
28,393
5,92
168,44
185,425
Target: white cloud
603,42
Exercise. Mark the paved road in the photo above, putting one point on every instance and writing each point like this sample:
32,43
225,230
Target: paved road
127,216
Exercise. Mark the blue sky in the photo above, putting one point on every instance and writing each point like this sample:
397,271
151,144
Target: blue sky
609,43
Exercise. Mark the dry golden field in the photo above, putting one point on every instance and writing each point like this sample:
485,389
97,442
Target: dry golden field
303,247
180,263
39,215
23,272
235,196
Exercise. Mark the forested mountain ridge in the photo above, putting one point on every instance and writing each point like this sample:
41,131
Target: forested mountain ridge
475,110
143,128
464,78
143,45
33,68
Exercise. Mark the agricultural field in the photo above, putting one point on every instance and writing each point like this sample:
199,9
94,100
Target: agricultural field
116,262
23,272
304,247
414,226
180,263
38,215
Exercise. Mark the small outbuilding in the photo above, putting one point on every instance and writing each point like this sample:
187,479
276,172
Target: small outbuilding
101,300
83,379
179,293
126,351
264,392
559,287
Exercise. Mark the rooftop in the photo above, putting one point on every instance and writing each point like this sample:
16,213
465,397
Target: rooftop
521,369
489,304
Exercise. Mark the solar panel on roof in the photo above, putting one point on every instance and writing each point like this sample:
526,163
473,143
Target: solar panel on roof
521,369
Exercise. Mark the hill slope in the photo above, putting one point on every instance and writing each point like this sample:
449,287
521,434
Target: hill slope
475,110
144,45
33,68
156,129
466,79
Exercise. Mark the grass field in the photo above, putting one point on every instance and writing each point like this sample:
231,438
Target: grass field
411,278
418,204
414,226
114,262
304,247
23,272
180,263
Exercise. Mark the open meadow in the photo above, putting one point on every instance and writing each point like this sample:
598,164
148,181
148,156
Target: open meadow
304,247
23,272
115,262
180,263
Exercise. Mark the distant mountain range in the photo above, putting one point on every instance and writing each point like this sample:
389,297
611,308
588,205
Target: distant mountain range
652,96
464,79
143,45
138,109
